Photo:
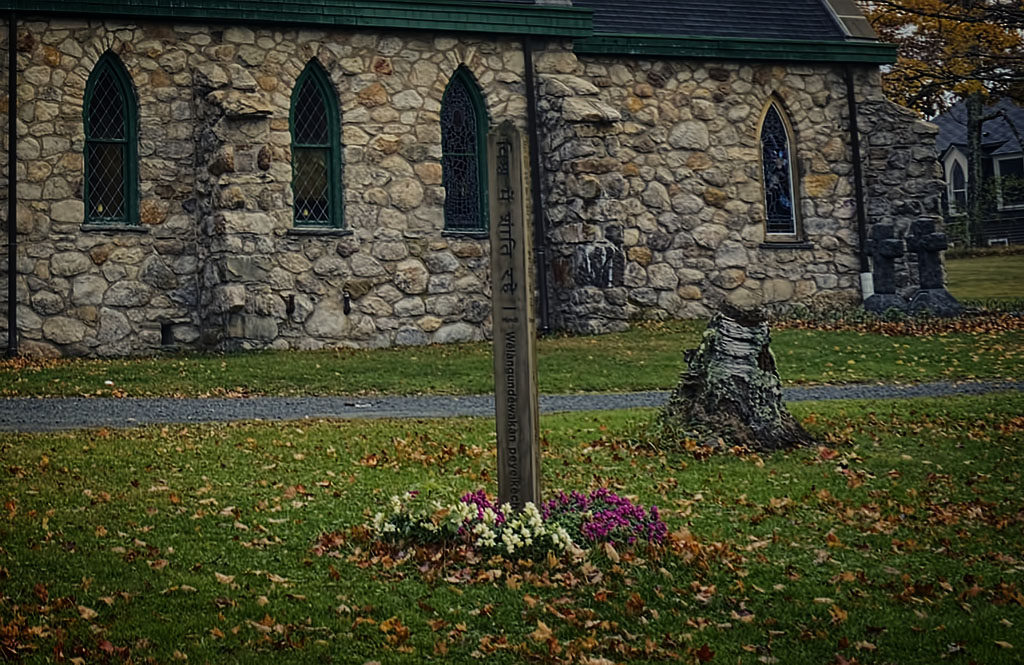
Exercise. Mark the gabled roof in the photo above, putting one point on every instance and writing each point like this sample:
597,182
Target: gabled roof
997,135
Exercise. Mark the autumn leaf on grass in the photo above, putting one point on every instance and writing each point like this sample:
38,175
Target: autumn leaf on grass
159,564
396,632
542,634
610,552
1005,645
839,615
634,605
704,653
87,613
224,579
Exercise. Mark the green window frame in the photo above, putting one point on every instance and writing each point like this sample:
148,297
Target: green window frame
464,125
110,115
315,124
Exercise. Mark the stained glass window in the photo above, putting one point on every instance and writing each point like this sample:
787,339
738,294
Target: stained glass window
780,212
463,124
316,165
109,115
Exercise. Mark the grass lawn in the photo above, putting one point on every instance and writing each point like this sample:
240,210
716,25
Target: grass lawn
647,357
986,277
901,542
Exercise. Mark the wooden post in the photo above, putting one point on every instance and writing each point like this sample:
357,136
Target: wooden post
515,354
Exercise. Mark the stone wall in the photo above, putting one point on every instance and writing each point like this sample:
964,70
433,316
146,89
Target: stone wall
102,292
654,169
902,174
651,183
215,261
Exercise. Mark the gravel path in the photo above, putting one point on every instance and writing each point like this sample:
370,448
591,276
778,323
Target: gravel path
49,414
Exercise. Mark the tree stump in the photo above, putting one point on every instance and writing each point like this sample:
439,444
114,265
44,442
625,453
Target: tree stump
731,389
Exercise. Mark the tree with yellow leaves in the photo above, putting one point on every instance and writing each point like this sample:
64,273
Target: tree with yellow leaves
949,50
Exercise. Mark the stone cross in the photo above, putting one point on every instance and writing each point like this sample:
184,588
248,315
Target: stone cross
932,296
926,243
515,355
885,249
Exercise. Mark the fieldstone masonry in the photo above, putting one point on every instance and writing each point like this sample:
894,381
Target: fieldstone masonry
655,166
651,183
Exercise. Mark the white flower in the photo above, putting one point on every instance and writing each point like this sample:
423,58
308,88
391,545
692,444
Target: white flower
378,521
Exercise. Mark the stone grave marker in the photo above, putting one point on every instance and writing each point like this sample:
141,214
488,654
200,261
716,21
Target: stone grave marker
515,355
933,296
885,249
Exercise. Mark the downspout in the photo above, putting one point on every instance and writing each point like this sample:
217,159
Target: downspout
867,284
539,227
12,186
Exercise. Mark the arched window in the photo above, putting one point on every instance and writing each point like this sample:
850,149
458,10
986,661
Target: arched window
316,149
958,187
464,156
110,114
780,200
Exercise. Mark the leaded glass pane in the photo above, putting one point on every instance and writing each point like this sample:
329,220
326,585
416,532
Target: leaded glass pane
778,175
460,164
310,185
462,192
310,119
106,108
106,180
458,120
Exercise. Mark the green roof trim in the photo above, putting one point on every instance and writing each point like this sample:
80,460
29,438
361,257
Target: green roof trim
442,15
731,48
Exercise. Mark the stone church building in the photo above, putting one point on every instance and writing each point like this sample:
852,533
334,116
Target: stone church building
219,175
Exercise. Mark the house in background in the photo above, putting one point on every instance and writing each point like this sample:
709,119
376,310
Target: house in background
1002,166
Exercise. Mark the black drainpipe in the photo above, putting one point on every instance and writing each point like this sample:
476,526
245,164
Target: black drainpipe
539,228
866,284
12,187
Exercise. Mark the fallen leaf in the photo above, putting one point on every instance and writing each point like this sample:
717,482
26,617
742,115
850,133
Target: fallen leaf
542,634
1005,645
704,653
610,552
224,579
87,613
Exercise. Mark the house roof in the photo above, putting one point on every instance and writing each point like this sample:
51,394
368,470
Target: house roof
998,135
764,19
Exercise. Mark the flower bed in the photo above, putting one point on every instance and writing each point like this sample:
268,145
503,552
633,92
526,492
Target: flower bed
569,521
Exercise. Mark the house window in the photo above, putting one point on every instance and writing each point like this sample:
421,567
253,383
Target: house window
464,157
110,115
958,188
778,178
1010,172
316,150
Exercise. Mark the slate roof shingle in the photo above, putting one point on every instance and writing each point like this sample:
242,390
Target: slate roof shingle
998,137
757,19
